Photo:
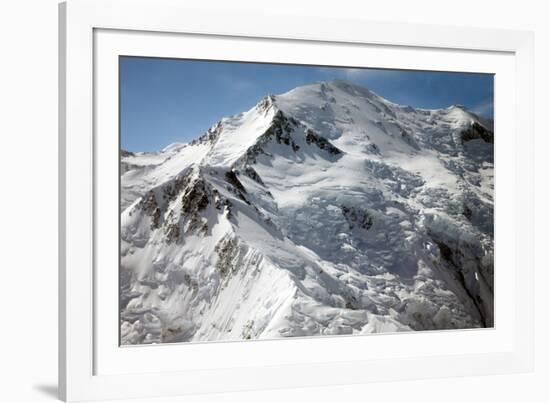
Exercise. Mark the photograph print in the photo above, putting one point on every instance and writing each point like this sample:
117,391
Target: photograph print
268,201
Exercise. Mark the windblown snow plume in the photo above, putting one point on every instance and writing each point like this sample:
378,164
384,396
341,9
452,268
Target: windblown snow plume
326,210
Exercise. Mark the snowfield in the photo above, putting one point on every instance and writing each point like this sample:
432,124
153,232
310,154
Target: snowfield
326,210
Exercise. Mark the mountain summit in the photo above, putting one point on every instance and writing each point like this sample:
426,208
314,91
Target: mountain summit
324,210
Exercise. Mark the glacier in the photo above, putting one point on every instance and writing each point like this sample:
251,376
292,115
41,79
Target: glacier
327,210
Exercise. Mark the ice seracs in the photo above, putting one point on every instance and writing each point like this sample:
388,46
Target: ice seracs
324,210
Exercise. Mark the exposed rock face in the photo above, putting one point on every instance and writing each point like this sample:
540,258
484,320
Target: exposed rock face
227,250
231,177
357,217
252,174
322,143
477,131
210,136
196,198
149,206
466,257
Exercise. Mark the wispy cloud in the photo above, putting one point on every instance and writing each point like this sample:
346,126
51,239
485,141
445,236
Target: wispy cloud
233,83
364,74
356,74
485,108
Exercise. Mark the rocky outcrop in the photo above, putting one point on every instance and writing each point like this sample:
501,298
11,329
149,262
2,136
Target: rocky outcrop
477,131
469,262
321,142
357,217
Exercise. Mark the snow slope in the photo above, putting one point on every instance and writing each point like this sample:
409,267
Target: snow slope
324,210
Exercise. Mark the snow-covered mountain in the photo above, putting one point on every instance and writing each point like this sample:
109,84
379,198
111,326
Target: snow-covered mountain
325,210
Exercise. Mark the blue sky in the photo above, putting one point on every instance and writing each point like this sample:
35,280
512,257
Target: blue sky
171,100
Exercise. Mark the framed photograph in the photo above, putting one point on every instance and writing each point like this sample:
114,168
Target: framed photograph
252,202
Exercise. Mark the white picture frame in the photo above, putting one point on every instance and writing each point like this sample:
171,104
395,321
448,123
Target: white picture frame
92,366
